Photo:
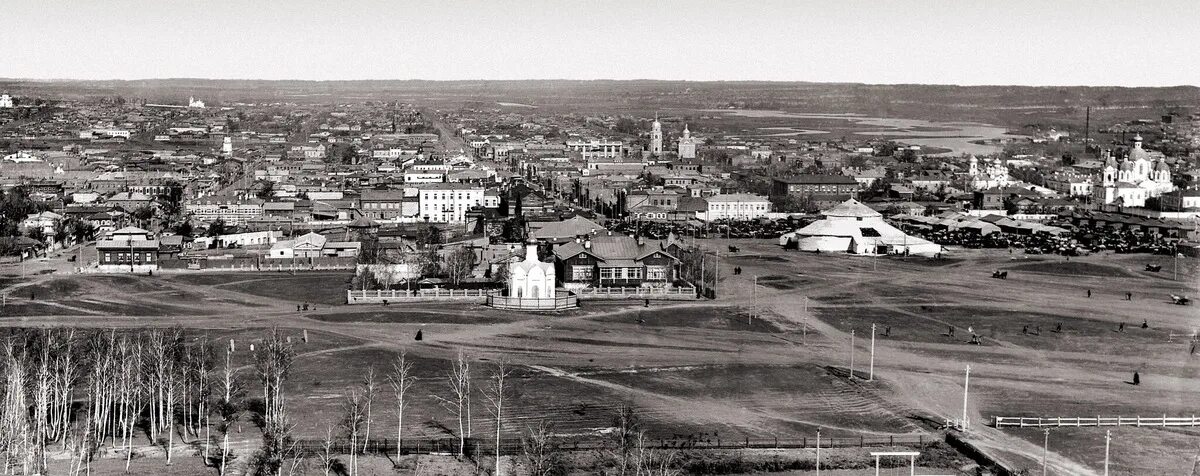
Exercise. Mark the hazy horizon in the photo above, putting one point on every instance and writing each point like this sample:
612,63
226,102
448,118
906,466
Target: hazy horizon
935,42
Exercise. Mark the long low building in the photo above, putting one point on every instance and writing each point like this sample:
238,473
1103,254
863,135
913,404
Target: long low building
852,227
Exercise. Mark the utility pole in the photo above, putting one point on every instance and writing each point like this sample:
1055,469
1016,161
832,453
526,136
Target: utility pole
1045,448
851,354
804,337
753,300
871,373
1107,440
716,271
818,452
966,383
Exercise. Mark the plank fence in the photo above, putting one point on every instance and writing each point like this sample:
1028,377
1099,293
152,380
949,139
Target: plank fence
1055,422
513,447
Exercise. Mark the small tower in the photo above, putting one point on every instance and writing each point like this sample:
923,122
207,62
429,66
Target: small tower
656,138
227,147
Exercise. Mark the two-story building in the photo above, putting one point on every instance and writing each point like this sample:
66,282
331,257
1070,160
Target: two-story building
231,210
839,187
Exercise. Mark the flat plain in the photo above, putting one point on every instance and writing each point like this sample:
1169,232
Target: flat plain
765,363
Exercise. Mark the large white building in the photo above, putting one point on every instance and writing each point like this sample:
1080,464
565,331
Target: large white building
6,101
851,227
447,202
231,210
656,138
597,149
193,103
735,206
993,173
1133,180
687,144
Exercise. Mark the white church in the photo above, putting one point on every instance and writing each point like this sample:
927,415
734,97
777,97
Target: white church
993,173
1133,180
531,278
532,286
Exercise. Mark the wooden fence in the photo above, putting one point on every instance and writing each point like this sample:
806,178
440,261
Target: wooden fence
665,292
1042,422
512,446
377,296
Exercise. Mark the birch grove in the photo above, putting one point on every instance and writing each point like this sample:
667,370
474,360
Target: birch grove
78,392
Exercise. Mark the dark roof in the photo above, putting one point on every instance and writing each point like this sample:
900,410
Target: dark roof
819,179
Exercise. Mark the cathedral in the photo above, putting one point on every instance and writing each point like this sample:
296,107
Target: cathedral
1133,180
994,173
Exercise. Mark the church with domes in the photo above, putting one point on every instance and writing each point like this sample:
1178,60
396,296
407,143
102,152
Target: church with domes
1131,181
991,174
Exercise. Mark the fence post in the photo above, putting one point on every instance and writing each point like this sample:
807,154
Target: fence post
861,441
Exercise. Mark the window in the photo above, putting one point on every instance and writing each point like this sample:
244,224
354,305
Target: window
581,273
633,273
608,274
657,273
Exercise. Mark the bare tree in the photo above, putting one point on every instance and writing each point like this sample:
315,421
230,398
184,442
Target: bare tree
540,452
326,455
227,408
370,386
273,362
401,380
459,264
495,397
352,422
460,391
624,439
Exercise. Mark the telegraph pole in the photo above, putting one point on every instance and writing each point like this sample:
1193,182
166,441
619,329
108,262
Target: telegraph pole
716,271
851,354
804,337
966,383
818,452
753,300
1045,448
871,373
1107,440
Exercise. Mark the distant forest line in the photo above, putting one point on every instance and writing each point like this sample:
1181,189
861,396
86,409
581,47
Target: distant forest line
1011,106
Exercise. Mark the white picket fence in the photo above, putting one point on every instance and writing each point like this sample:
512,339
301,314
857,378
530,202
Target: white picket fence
377,296
1043,422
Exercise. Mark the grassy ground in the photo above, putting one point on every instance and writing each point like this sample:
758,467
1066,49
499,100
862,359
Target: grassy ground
705,367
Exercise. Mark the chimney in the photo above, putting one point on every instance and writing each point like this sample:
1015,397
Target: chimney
587,244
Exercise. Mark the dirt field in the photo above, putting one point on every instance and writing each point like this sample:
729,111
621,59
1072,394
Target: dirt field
707,368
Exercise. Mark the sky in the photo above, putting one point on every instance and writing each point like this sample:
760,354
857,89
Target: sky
968,42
